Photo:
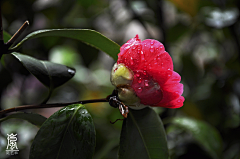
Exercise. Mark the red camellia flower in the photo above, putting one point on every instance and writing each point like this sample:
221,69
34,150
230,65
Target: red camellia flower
148,73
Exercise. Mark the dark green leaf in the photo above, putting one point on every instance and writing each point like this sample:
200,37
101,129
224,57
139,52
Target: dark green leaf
87,36
6,36
35,119
206,135
143,136
68,134
50,74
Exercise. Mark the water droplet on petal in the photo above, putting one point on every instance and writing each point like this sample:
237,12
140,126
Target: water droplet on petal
149,66
139,89
140,80
145,68
146,83
152,42
142,56
131,61
162,65
144,72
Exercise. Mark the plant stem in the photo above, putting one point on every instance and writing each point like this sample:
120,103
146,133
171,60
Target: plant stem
24,107
18,33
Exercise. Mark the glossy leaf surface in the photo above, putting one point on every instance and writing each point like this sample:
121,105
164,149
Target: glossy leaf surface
143,136
206,135
50,74
90,37
67,134
35,119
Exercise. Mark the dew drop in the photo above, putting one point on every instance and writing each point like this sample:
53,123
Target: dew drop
139,89
131,61
145,68
162,65
144,72
152,42
142,56
146,83
140,80
149,66
137,75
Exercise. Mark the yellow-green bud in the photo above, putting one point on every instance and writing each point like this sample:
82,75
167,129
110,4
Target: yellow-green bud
121,78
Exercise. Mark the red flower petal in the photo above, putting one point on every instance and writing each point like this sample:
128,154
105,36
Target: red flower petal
154,82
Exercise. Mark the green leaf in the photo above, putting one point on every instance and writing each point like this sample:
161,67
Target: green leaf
205,135
87,36
143,136
50,74
6,36
35,119
68,134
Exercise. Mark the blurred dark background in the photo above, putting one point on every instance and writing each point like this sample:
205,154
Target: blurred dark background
202,37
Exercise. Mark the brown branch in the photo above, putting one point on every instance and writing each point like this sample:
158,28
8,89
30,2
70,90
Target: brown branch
25,107
18,33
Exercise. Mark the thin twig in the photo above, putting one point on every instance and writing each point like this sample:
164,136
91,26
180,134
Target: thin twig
25,107
18,33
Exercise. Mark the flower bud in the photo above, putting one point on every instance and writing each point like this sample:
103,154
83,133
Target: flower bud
121,75
121,78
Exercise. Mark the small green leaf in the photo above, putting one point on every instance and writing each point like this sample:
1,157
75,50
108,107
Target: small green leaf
35,119
87,36
143,136
50,74
205,135
67,134
6,36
